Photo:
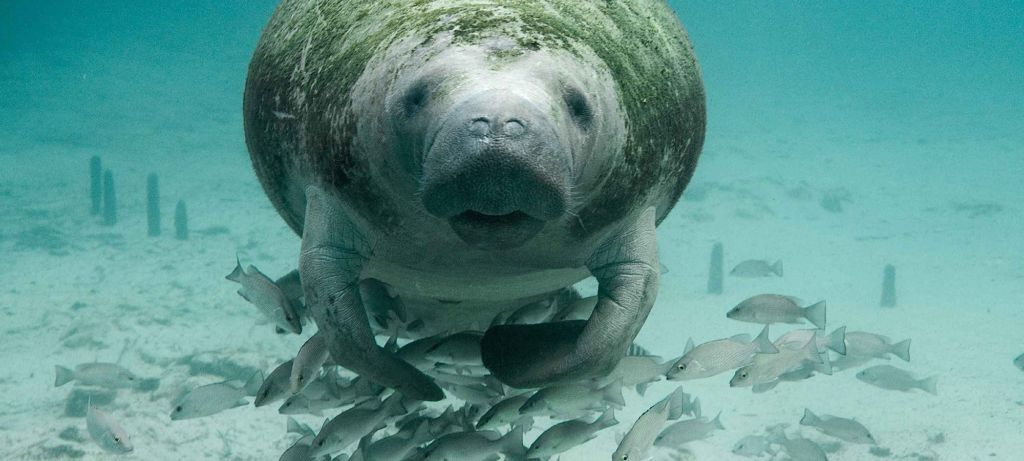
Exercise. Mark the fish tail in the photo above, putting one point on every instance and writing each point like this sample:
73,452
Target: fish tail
809,419
607,419
815,313
237,274
64,376
676,403
764,387
694,408
613,393
837,340
717,422
777,268
512,443
825,366
901,350
928,385
764,345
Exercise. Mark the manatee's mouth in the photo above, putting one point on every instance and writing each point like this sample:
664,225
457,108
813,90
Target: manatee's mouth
499,232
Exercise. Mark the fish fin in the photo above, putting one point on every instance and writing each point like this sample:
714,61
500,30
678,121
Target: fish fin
901,350
662,268
676,403
695,407
810,352
825,367
740,338
669,365
717,422
613,393
809,419
607,419
764,343
777,268
64,376
295,427
255,382
815,313
237,274
619,435
837,340
641,388
394,405
689,346
929,385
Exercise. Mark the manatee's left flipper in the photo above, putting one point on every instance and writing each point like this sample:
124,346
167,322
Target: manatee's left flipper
333,253
627,271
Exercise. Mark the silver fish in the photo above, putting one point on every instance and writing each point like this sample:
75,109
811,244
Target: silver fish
579,309
106,432
307,363
757,268
474,394
768,367
458,349
841,428
415,352
535,312
336,396
505,412
835,341
689,430
770,308
100,374
394,447
572,399
1019,362
864,344
892,378
347,428
275,387
714,357
637,371
214,398
640,438
263,293
474,446
568,434
800,449
751,446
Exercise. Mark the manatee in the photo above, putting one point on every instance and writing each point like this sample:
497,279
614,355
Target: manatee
473,157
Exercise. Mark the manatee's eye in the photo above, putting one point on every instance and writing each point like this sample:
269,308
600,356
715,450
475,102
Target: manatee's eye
178,409
117,439
579,107
416,98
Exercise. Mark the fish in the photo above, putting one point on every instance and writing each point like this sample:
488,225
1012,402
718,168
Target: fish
569,434
864,344
415,352
475,394
572,399
638,441
307,363
474,446
841,428
393,447
505,412
99,374
895,379
275,386
461,348
106,432
688,430
349,426
835,341
267,296
637,371
751,446
768,367
535,312
214,398
337,396
799,448
720,355
1019,362
757,268
771,308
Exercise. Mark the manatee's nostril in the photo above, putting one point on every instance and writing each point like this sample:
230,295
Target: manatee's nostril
480,127
514,128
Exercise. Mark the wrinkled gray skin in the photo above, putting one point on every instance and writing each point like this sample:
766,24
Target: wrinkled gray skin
475,157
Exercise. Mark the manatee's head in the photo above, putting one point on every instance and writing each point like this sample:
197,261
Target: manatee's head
497,137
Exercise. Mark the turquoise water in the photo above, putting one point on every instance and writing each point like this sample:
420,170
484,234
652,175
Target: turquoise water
841,137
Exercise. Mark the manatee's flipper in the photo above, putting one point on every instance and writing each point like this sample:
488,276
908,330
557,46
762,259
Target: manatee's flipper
333,253
626,268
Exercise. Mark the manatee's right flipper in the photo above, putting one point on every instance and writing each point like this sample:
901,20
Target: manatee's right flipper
333,252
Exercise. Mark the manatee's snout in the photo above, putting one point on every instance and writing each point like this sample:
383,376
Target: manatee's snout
497,171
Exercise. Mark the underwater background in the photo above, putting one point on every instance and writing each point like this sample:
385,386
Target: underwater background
842,137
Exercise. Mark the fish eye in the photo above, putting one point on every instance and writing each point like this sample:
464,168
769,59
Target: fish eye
320,443
178,408
117,439
682,366
743,375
